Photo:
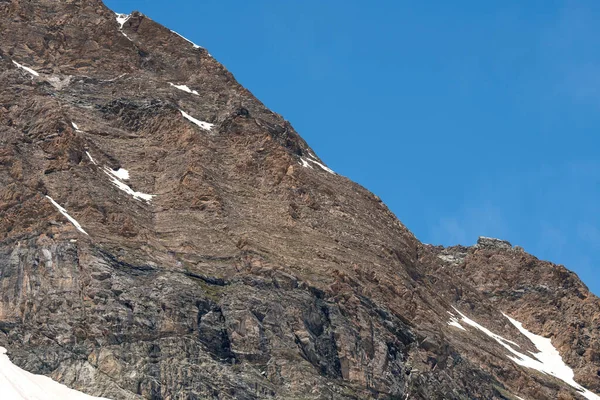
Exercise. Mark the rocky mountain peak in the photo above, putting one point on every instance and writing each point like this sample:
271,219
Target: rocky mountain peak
483,241
164,235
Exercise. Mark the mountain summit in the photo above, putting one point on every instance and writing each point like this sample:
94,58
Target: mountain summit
163,235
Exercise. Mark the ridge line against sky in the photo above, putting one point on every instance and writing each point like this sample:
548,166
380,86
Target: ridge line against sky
478,120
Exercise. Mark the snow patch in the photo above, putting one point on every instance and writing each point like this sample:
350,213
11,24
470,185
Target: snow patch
117,177
26,69
305,163
124,34
504,342
122,18
18,384
124,187
202,124
91,159
75,126
184,88
313,159
187,40
319,164
454,322
547,360
64,212
311,155
121,173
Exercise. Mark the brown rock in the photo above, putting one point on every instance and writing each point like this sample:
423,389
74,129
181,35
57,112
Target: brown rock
247,275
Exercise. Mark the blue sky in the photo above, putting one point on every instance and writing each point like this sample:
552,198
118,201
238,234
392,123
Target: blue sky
467,118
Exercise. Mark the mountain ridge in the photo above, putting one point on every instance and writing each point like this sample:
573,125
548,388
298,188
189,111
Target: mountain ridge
254,271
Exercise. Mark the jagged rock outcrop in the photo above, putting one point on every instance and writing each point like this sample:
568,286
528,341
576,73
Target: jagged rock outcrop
163,235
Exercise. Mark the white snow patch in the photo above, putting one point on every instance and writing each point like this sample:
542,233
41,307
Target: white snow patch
18,384
202,124
124,187
75,126
184,88
498,338
124,34
121,19
121,173
454,322
547,361
64,212
91,159
305,164
24,68
320,165
187,40
313,159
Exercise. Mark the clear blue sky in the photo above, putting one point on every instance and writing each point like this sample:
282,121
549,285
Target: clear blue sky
467,118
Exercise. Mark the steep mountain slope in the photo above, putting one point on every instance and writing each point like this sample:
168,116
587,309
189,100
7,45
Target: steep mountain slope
163,235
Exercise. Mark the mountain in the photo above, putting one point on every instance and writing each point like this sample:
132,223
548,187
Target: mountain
163,235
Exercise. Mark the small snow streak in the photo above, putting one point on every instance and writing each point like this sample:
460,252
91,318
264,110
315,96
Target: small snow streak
202,124
498,338
185,89
64,212
91,159
321,165
187,40
26,69
454,322
124,34
75,126
117,177
305,164
124,187
313,159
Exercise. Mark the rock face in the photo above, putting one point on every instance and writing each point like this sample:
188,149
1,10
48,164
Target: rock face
163,235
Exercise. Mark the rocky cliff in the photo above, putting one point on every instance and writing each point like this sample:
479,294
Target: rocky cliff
163,235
